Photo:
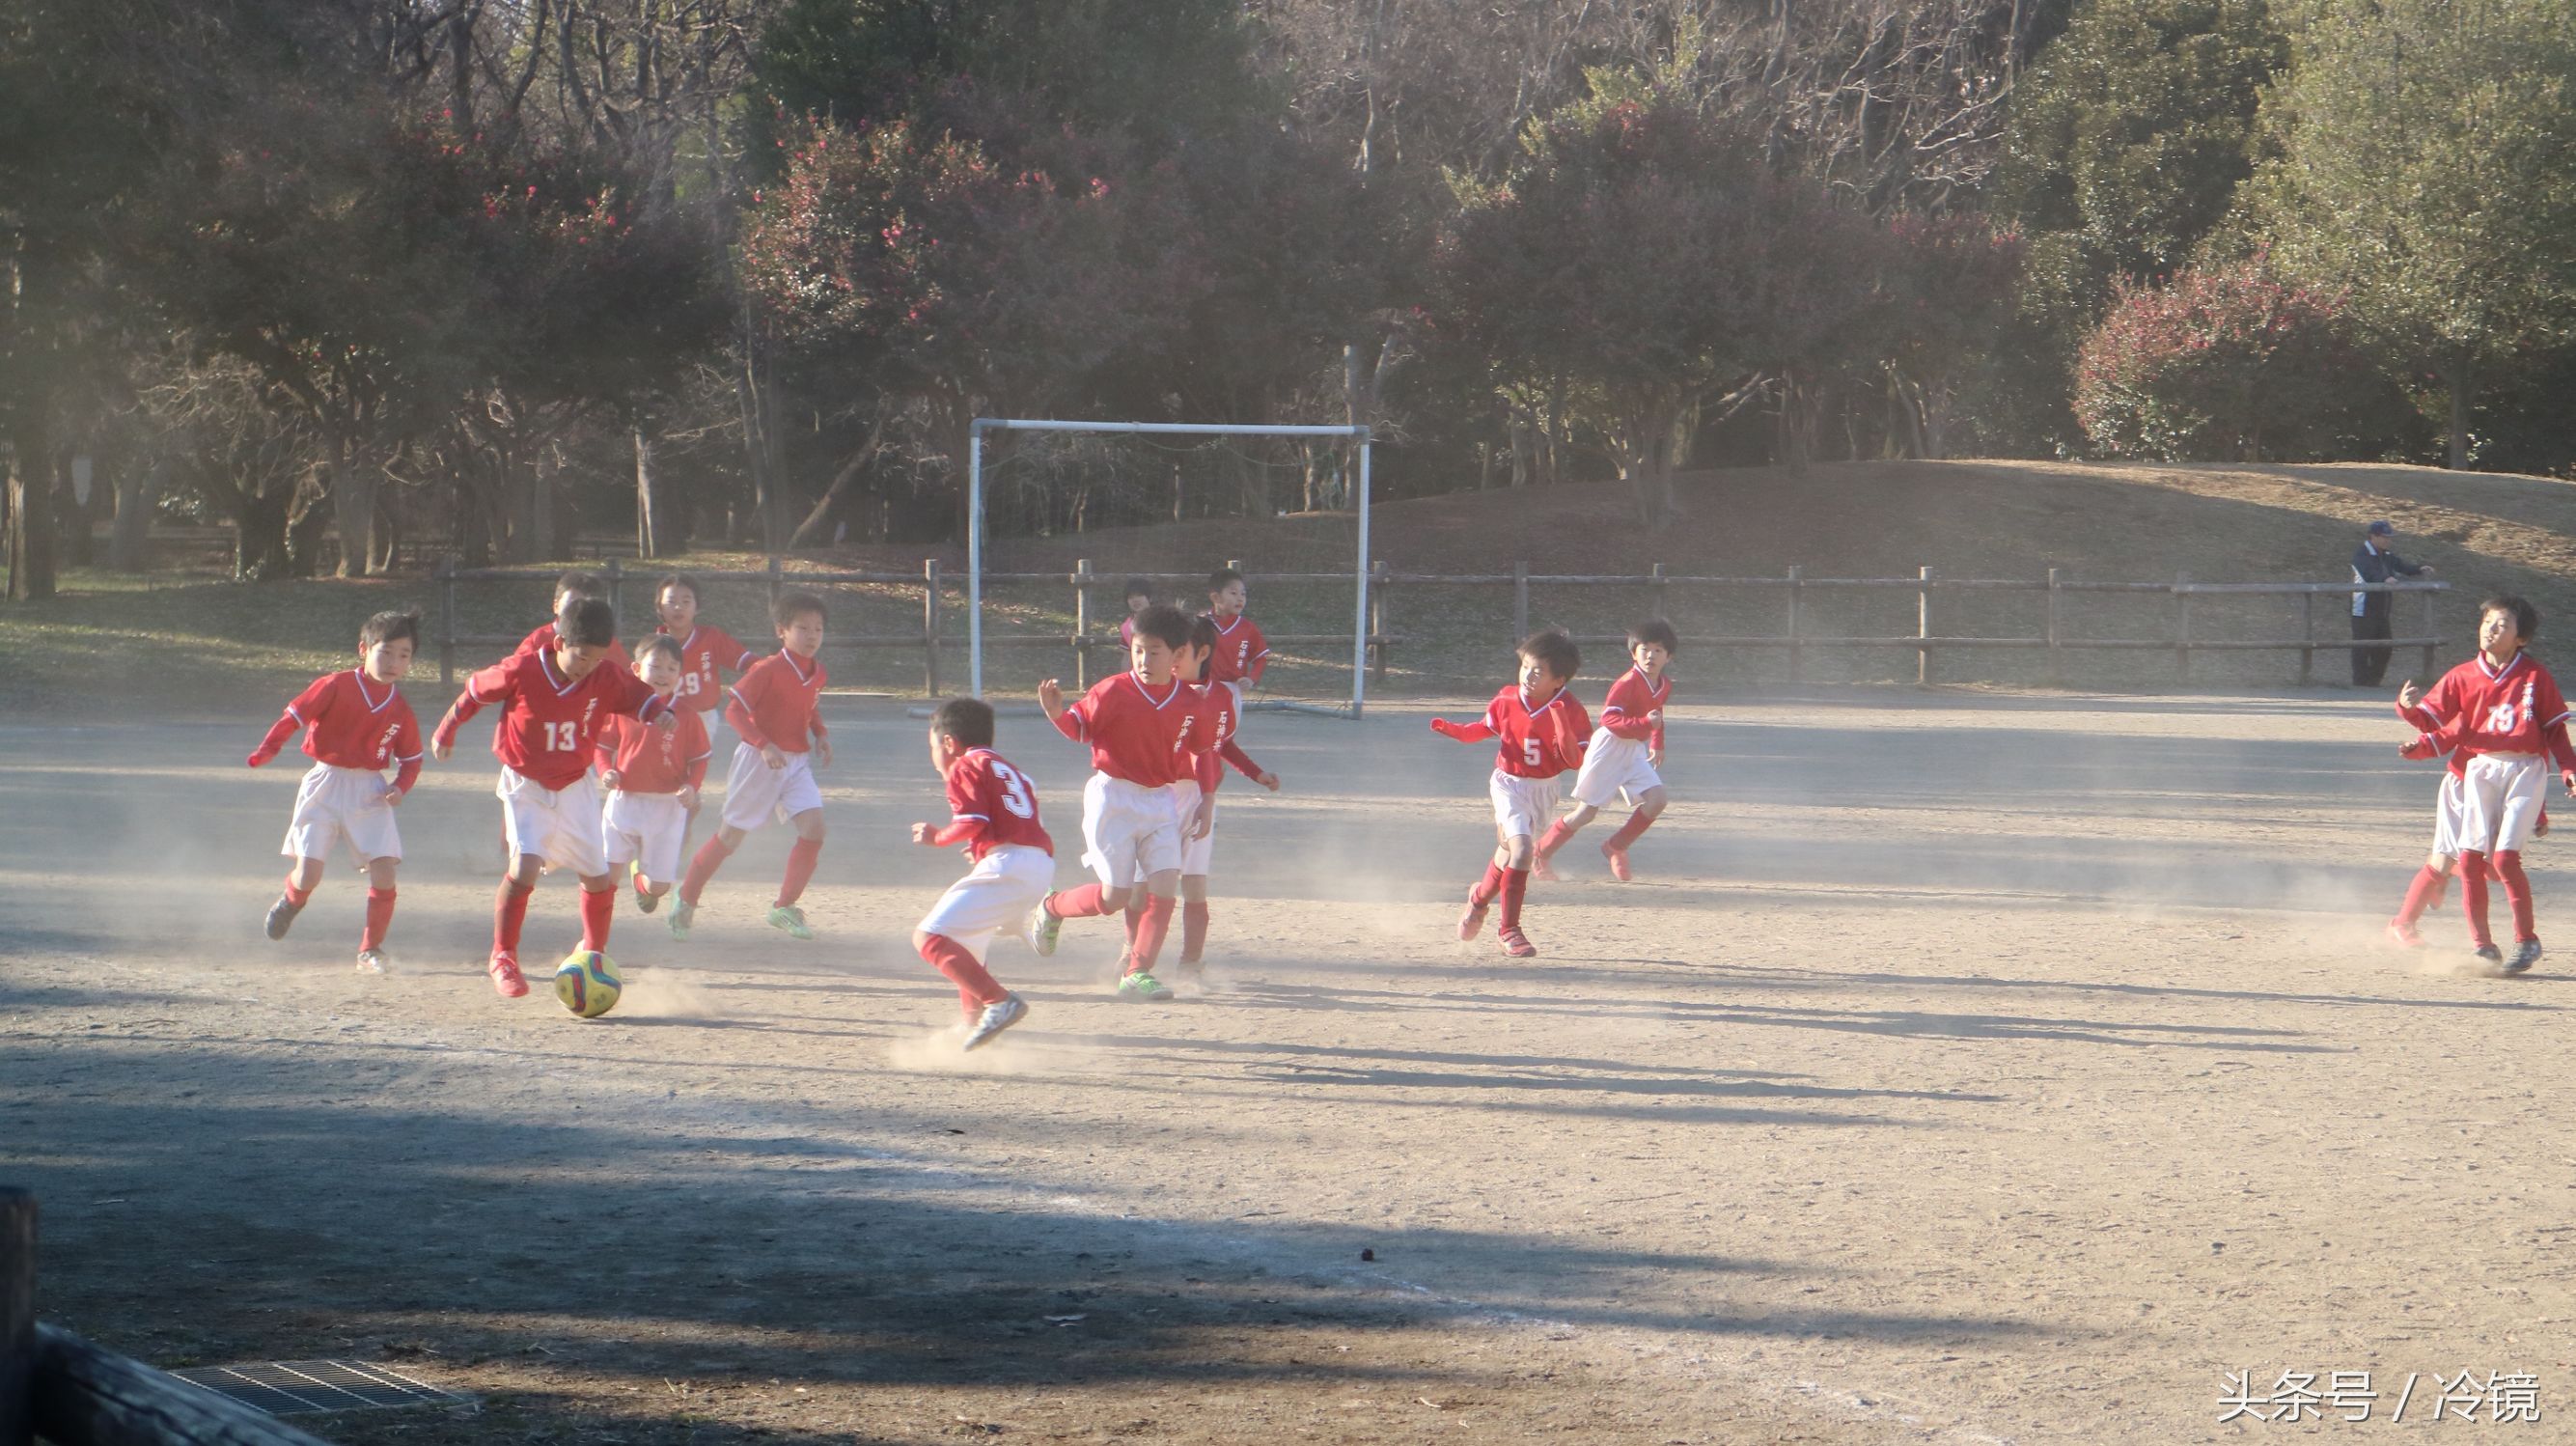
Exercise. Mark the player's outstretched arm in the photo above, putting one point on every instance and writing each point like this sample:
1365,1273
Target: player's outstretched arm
275,740
1476,732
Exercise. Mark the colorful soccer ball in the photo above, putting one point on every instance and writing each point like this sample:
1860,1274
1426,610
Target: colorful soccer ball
586,983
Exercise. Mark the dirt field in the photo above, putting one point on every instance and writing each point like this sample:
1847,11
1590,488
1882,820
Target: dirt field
1964,1067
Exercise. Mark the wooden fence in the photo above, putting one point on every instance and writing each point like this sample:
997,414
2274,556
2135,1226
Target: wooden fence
58,1387
1793,590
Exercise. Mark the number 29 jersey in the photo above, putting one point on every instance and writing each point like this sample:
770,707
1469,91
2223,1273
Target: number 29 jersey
985,790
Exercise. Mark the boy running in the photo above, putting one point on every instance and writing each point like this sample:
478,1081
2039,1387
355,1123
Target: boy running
2502,713
1242,654
555,704
1141,726
1625,752
1140,596
776,709
570,588
705,649
1542,729
652,776
993,812
356,724
1220,706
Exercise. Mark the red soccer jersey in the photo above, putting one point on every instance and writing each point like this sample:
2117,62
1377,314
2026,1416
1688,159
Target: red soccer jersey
2480,708
702,653
997,800
543,641
352,721
1241,652
551,724
1147,736
1635,710
1539,742
779,700
655,760
1211,733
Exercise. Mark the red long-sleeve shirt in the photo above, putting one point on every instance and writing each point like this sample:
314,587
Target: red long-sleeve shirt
350,721
1539,742
778,700
1635,708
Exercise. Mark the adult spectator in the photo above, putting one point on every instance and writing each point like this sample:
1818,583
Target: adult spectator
2371,611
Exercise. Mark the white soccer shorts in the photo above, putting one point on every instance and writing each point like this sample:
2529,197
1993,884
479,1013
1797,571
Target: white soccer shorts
559,825
333,803
994,898
1195,853
1128,832
1524,806
756,793
648,828
2446,816
2500,800
1613,766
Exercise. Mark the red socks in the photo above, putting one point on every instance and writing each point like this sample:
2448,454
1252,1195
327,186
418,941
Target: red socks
1194,922
801,859
1081,903
1135,924
598,907
380,916
2473,895
509,913
2517,892
1156,926
702,867
1637,823
1554,839
1515,888
1487,888
294,895
2422,895
975,988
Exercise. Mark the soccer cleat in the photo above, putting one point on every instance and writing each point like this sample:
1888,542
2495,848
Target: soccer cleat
2491,954
683,914
281,916
2403,935
373,961
647,903
997,1016
1472,922
1143,986
507,981
1618,858
1517,944
790,918
1044,926
1544,871
2525,954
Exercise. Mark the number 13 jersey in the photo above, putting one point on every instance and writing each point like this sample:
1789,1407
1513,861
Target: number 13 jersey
985,790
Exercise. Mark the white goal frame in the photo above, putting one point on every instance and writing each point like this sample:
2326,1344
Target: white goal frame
975,529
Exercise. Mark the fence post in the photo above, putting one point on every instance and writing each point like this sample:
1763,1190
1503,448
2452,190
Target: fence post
17,1317
777,582
447,622
1520,601
1082,622
1923,629
2182,628
617,591
1658,590
2307,636
2056,659
1797,591
930,626
1377,619
2432,622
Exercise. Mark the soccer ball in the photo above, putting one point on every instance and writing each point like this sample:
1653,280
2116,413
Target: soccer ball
586,983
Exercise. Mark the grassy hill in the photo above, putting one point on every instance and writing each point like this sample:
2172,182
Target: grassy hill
213,646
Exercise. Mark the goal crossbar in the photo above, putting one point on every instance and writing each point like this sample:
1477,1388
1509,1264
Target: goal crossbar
975,521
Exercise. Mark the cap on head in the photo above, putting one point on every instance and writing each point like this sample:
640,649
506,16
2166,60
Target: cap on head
2383,528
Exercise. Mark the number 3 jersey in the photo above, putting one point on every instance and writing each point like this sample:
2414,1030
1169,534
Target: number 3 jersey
998,800
550,725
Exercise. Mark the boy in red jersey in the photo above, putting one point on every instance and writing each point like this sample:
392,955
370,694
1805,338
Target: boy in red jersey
1141,726
705,651
2503,714
1198,839
1140,596
356,724
1241,652
555,704
776,710
571,588
1624,754
1542,729
993,813
652,776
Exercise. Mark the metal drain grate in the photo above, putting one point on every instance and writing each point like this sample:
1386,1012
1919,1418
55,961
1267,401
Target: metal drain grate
289,1388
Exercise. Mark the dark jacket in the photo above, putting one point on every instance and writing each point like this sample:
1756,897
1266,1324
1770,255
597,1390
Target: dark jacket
2378,564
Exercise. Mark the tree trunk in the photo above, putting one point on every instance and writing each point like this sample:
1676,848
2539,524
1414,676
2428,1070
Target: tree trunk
2458,379
138,492
259,537
307,517
354,505
79,514
31,500
648,542
850,470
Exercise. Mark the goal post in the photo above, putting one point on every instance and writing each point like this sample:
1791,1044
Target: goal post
975,527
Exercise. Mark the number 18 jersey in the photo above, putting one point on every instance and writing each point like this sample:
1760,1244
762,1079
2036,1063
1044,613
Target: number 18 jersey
987,791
